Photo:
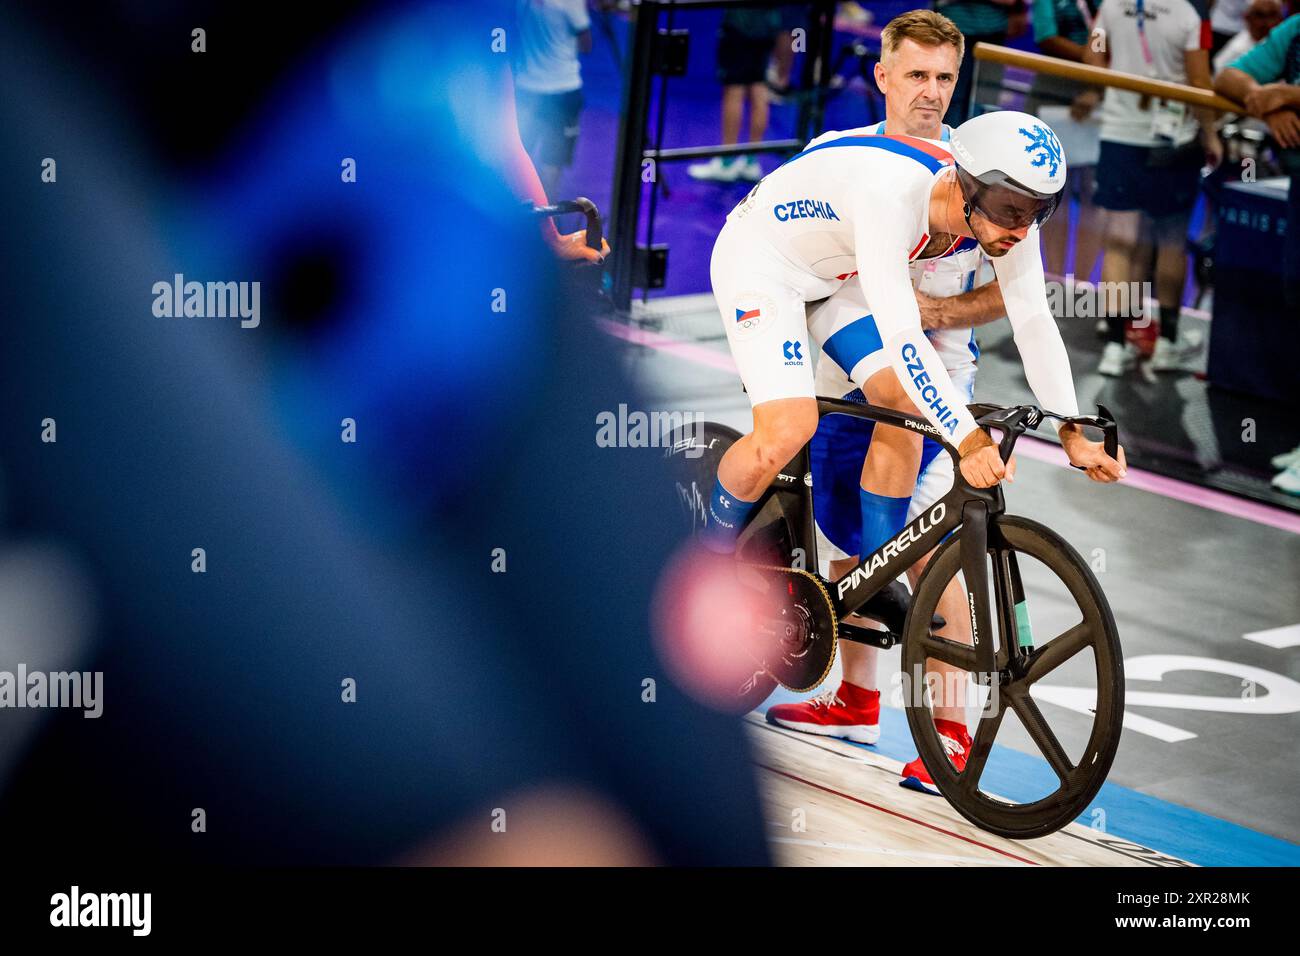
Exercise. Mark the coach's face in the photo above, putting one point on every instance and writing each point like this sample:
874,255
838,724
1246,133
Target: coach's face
918,82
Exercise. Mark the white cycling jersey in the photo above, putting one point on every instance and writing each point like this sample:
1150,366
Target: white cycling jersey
857,203
841,442
952,274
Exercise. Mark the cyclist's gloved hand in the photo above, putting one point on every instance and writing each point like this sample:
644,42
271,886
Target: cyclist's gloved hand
981,463
1091,455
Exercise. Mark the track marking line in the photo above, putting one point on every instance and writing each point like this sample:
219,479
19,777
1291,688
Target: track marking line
1278,637
885,851
894,813
666,343
1045,451
1155,859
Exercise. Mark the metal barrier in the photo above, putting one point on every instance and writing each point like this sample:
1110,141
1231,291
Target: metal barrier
661,52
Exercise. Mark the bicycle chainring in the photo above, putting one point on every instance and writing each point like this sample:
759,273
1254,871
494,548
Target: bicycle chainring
805,632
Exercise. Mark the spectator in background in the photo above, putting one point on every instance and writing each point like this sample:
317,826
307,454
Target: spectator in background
1152,153
980,21
793,17
1267,81
1227,19
1261,17
1061,29
548,81
745,41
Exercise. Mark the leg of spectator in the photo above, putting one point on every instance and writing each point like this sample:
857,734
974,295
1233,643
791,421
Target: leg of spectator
1087,241
1291,248
758,111
1120,232
1056,240
733,107
782,60
1170,233
1144,272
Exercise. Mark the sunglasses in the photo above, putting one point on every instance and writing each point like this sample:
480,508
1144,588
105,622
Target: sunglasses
1004,202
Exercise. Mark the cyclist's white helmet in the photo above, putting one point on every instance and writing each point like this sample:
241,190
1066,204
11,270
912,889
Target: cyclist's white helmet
1010,166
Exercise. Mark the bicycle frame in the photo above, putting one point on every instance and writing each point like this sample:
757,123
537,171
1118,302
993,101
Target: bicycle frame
974,509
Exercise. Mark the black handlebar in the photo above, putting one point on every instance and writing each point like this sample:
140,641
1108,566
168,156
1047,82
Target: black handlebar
1018,419
583,205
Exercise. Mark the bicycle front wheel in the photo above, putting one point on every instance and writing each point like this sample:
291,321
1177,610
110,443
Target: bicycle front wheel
1040,776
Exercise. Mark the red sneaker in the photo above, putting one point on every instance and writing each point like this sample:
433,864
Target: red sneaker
956,743
850,712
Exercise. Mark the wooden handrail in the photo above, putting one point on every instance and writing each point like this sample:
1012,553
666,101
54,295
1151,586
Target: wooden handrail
1098,76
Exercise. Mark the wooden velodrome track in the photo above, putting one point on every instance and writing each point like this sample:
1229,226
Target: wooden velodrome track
830,803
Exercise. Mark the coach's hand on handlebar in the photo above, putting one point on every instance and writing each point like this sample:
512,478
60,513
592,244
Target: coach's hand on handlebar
1091,455
981,462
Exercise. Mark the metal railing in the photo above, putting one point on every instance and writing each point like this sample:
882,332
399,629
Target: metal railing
630,258
1099,76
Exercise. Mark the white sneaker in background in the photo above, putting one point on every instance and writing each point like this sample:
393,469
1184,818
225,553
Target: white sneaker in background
748,169
1115,358
1170,356
1286,459
716,170
1288,480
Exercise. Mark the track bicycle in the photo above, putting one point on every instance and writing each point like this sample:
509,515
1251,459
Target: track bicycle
974,537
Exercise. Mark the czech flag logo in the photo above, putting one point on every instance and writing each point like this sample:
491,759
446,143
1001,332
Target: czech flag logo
754,312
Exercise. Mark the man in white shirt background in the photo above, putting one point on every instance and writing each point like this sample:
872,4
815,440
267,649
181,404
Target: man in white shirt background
548,81
1227,19
1261,17
1152,153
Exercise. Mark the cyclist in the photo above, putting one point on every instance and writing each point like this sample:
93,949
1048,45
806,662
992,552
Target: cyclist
872,205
